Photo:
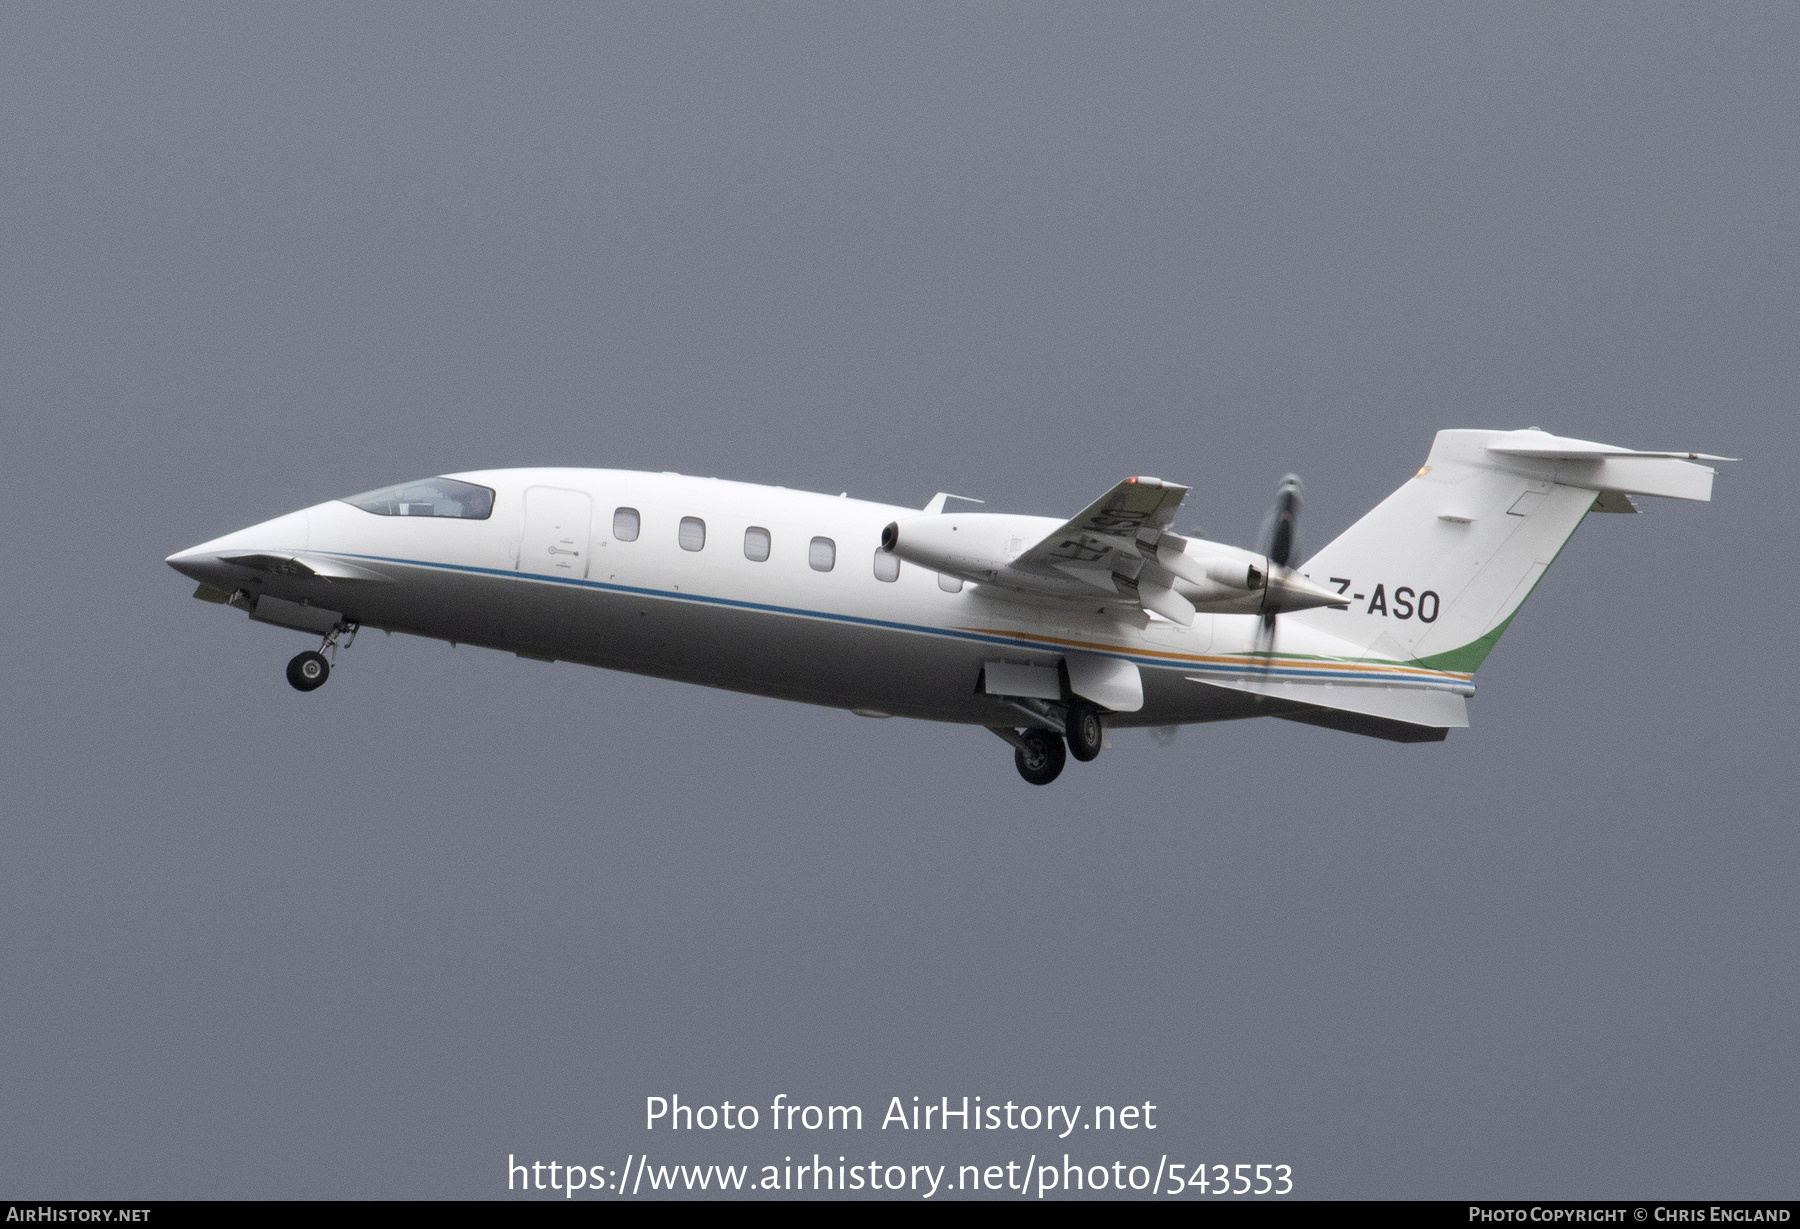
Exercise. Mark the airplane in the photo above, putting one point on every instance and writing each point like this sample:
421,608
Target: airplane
1047,632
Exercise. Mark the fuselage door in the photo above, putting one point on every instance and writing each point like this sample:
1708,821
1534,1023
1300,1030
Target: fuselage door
555,542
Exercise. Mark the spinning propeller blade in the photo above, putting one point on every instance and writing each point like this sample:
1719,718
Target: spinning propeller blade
1281,527
1281,533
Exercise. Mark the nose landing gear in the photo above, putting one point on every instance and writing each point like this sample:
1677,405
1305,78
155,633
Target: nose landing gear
309,670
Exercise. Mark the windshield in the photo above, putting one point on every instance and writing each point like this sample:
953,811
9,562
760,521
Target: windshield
429,497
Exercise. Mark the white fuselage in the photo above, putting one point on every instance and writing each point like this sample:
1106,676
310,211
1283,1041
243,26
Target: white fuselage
546,575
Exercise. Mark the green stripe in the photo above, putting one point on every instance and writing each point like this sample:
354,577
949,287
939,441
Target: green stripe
1470,656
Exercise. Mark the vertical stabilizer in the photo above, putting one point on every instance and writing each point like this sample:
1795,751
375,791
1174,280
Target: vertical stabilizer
1437,570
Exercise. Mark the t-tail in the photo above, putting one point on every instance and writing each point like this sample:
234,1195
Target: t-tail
1438,569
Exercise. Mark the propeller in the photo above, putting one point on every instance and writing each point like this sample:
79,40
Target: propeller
1269,580
1280,535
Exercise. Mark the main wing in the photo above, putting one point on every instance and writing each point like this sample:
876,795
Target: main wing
1105,530
1100,546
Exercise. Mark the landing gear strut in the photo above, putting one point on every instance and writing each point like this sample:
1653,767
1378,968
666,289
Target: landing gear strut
1040,756
309,670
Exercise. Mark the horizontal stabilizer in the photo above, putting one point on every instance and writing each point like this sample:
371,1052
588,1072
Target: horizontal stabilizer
1561,448
1368,727
1418,706
1596,467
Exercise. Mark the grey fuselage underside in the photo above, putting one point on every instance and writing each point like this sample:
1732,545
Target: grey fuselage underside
790,655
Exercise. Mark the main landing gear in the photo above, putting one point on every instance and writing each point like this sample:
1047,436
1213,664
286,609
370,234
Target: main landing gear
309,670
1040,754
1085,733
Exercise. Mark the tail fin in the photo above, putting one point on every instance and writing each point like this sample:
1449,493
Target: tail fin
1439,568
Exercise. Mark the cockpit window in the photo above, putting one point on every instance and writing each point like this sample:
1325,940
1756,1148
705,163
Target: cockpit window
429,497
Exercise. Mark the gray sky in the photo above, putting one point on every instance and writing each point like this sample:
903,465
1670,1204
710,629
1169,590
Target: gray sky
455,905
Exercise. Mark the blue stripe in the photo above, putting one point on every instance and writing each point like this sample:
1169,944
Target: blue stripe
1244,671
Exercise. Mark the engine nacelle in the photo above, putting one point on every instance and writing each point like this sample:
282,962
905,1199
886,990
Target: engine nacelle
976,546
1188,574
1230,580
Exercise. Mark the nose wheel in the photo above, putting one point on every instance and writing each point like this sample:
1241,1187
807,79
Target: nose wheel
308,671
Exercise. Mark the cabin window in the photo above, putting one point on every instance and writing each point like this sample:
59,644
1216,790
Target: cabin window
756,543
822,554
887,566
693,533
625,524
949,583
441,497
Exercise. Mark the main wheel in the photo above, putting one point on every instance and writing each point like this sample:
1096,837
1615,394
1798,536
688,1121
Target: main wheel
1086,732
308,671
1041,760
